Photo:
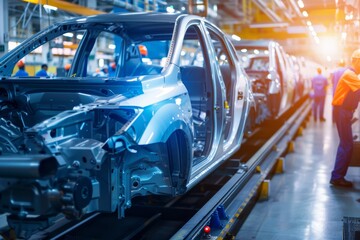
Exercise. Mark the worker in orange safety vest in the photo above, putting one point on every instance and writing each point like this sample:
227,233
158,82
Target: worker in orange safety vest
345,101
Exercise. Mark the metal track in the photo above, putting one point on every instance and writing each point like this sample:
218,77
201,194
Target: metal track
240,187
238,191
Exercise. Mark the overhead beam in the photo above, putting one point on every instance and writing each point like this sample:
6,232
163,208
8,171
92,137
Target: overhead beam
268,33
67,6
265,9
321,15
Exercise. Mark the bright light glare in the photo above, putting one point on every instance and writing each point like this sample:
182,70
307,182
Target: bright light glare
349,17
330,46
305,14
308,23
67,43
343,35
81,20
79,36
49,7
146,60
244,50
178,101
101,62
235,37
69,34
170,9
256,51
317,40
12,45
301,4
111,46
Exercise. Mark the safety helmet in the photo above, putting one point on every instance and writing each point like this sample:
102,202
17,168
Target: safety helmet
113,65
341,63
356,54
143,50
67,66
20,64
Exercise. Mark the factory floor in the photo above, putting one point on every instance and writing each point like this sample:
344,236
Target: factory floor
302,204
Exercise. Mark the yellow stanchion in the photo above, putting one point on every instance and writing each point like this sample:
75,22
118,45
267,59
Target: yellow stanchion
264,190
280,165
291,147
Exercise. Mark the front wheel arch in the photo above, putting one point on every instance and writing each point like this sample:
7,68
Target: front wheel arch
179,148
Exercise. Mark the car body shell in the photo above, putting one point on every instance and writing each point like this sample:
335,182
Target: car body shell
279,75
97,142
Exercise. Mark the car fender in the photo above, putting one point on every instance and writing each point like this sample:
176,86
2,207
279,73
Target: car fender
167,120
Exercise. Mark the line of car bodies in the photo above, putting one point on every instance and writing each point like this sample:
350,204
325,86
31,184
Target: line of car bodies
278,79
158,125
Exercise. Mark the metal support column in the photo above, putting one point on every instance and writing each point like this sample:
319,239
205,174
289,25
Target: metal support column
4,27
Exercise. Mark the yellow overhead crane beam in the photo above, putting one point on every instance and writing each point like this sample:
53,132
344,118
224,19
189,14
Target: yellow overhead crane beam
325,17
268,33
262,33
276,23
68,7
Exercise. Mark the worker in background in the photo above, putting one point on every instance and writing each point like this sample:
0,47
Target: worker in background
334,77
319,84
336,74
67,68
112,69
346,99
43,71
21,72
105,71
143,50
101,72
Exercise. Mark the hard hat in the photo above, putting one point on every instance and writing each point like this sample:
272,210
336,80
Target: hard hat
67,66
341,63
356,54
20,64
143,50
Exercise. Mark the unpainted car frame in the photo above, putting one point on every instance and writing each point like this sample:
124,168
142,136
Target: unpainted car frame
274,84
80,144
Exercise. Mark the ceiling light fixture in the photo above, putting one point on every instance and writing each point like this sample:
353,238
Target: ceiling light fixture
235,37
269,25
300,4
49,7
68,34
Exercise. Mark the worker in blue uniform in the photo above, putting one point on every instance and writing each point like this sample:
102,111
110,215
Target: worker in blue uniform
21,72
346,99
319,84
43,71
336,74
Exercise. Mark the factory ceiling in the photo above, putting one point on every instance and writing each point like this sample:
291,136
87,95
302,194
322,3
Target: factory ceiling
249,19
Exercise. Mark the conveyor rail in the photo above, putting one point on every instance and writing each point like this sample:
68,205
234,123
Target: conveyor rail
235,195
237,192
